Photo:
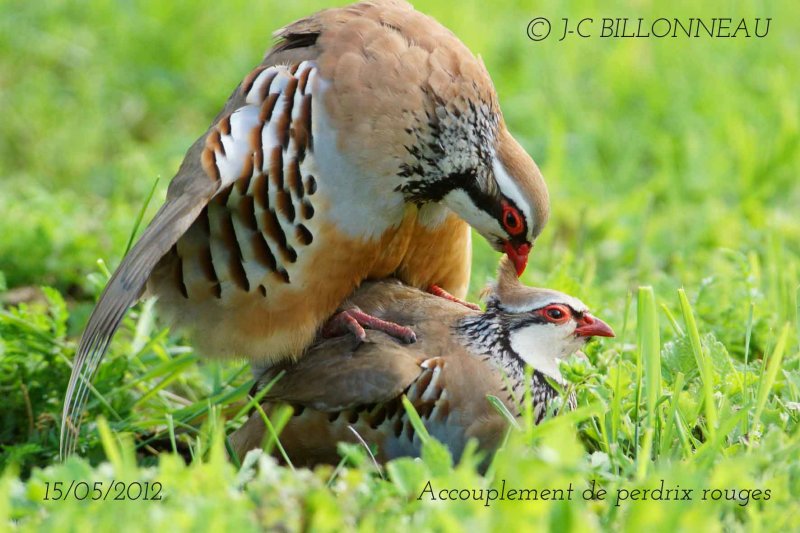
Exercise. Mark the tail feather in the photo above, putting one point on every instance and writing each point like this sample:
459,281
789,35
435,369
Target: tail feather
122,291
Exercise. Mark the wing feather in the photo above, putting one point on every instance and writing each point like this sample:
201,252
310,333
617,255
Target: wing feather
221,157
334,375
189,192
122,291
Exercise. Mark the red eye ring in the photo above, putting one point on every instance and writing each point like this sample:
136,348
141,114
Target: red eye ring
512,220
556,314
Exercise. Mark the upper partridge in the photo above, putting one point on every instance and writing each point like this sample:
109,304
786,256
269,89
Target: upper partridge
342,393
361,147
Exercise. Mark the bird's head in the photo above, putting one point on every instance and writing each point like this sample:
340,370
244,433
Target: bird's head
507,202
541,325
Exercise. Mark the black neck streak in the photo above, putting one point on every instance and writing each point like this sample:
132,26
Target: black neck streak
421,191
488,334
450,148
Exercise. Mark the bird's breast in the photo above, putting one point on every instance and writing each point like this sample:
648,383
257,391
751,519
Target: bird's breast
296,226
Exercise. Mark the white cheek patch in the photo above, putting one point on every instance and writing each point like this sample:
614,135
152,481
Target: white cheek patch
459,201
543,345
510,189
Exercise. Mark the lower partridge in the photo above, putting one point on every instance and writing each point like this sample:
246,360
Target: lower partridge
362,147
338,390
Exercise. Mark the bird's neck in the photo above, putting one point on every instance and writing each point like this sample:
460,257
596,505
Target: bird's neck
487,335
452,147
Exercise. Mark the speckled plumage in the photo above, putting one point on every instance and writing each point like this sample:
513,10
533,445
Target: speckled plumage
333,162
460,357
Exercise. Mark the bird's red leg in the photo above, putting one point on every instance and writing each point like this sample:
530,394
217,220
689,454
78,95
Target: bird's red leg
355,320
441,293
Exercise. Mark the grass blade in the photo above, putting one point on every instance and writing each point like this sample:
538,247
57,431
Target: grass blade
649,362
650,347
768,378
416,421
703,364
140,216
501,408
282,416
672,421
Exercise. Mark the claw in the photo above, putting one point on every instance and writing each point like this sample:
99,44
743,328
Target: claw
441,293
355,320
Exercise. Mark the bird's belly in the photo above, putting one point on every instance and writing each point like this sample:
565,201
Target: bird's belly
421,255
232,307
232,304
253,280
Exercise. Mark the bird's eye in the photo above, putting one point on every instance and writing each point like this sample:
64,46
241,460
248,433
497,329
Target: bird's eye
512,220
556,314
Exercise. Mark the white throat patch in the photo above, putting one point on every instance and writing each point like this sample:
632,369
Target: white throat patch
543,345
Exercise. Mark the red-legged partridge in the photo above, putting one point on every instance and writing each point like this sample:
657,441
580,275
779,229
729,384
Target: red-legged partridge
361,147
459,358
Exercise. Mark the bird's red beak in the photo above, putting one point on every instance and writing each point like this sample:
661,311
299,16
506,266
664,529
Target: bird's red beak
518,255
589,326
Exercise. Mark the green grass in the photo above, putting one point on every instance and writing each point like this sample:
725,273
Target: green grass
672,164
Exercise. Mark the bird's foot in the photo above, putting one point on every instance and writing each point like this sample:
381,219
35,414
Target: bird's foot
355,320
441,293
